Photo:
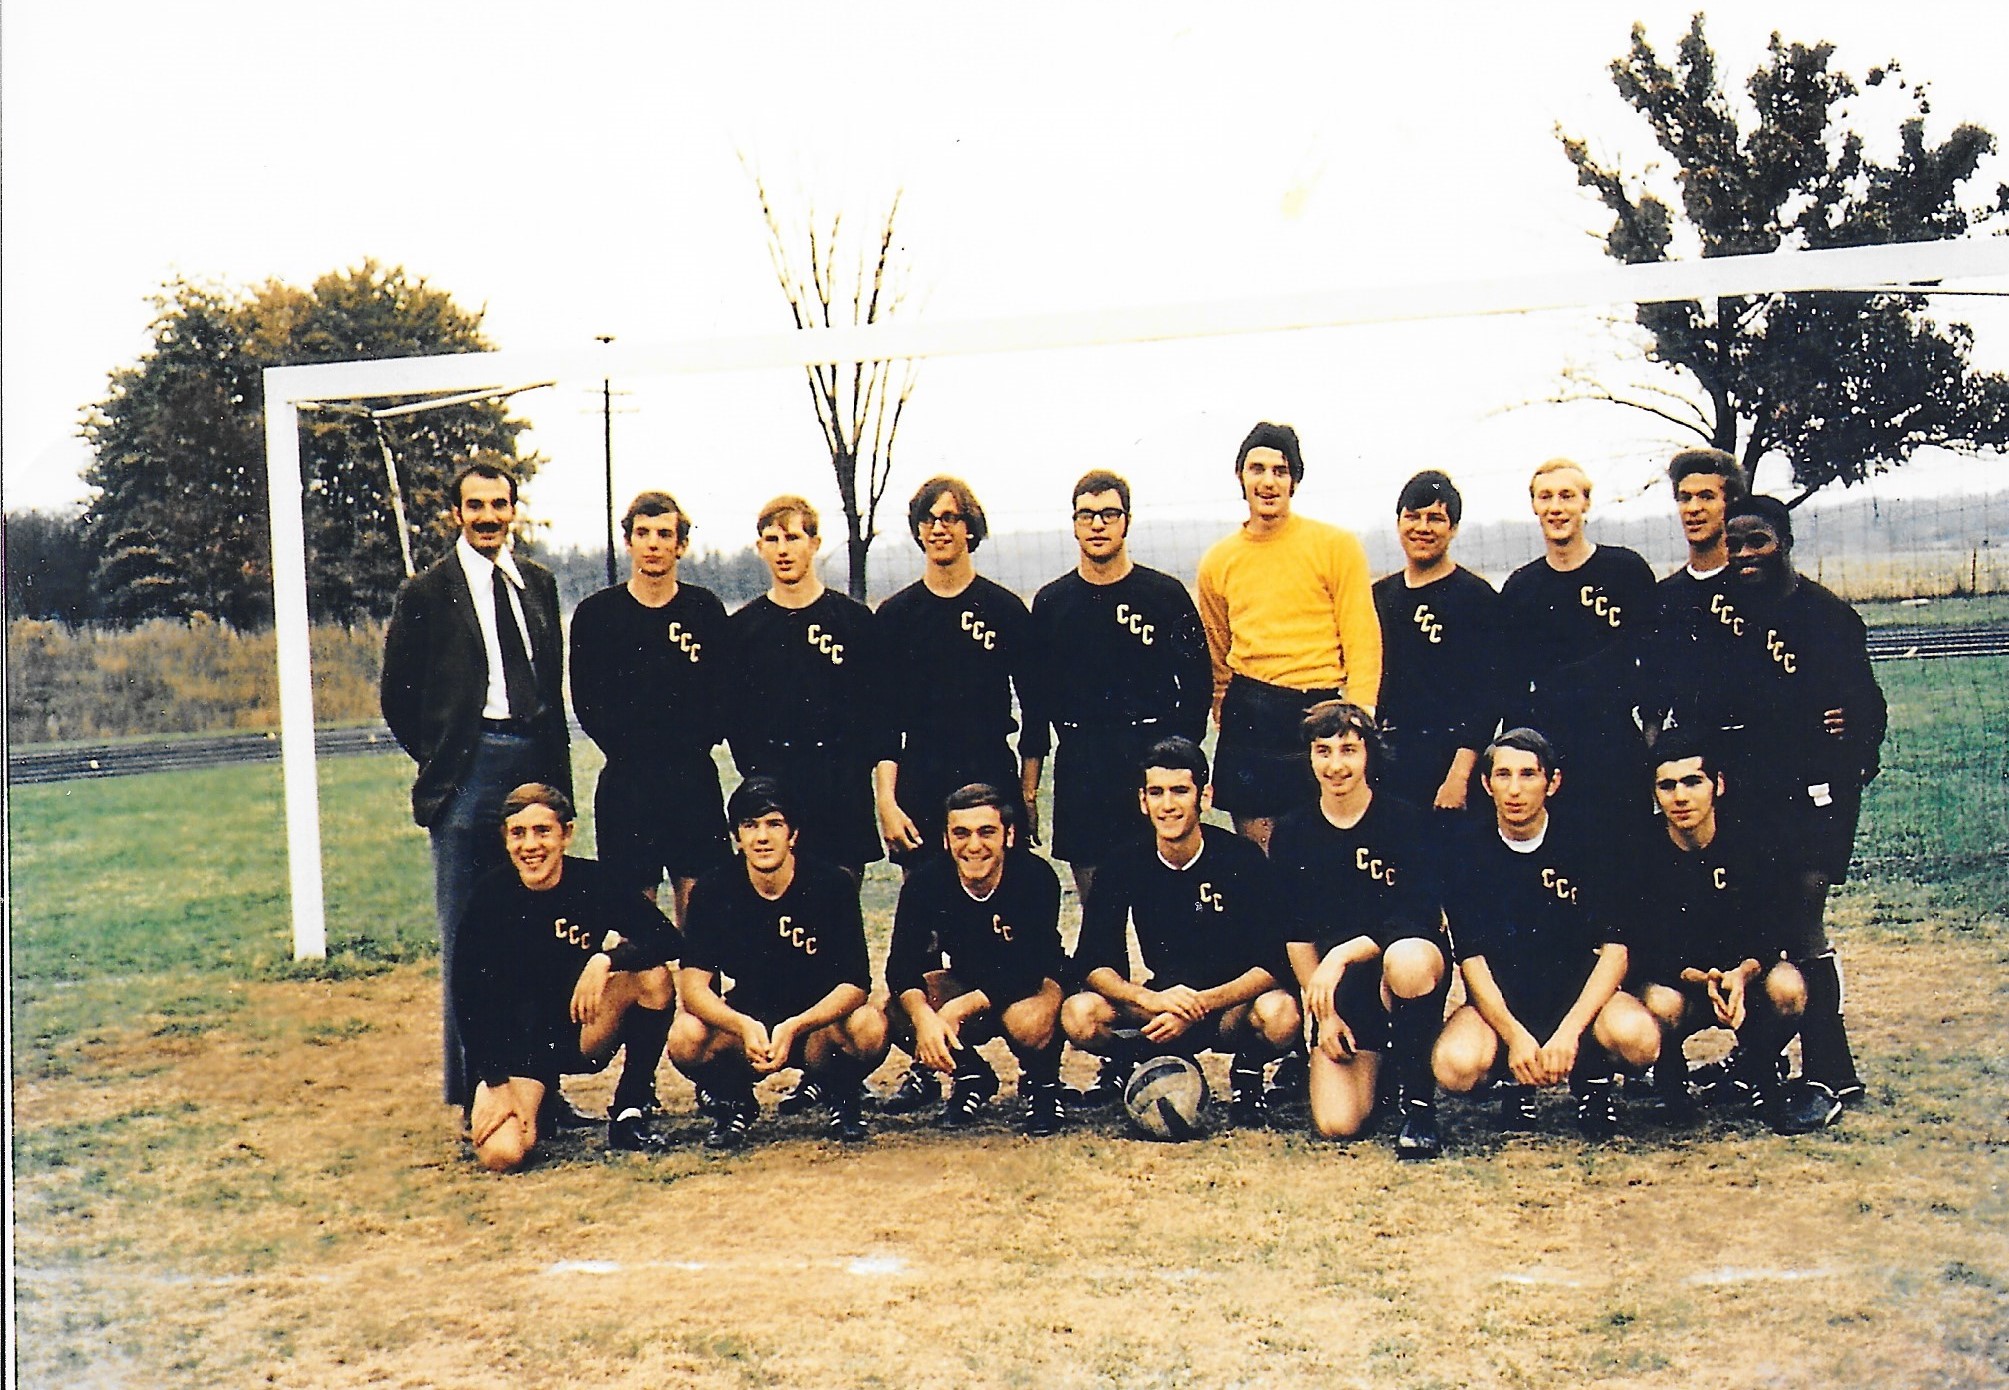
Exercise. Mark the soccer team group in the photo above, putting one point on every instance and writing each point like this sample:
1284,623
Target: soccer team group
1610,808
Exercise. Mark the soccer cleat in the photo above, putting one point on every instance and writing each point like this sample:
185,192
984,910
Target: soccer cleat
917,1090
1292,1079
1248,1101
967,1098
1418,1137
1597,1110
556,1115
1802,1107
800,1101
1107,1088
1044,1114
731,1121
634,1131
1517,1108
847,1118
1851,1093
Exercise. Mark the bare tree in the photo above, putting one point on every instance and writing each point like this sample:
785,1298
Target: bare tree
858,404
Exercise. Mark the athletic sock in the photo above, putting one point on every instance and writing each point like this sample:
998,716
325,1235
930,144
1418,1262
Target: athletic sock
1039,1067
1593,1065
644,1032
972,1070
839,1075
728,1078
1413,1027
1824,1037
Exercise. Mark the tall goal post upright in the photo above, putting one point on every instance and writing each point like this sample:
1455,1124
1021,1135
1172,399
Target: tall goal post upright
1914,268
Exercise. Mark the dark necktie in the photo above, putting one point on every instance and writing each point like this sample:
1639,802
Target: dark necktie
517,677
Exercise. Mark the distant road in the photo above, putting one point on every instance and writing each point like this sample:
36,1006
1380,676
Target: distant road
31,764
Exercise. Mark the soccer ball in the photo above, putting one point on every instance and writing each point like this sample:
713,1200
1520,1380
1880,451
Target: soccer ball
1167,1098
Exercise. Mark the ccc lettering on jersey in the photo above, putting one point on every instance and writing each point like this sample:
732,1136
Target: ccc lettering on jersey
1781,653
1000,928
1726,613
574,934
1719,880
801,938
1560,885
1599,602
1133,622
683,641
1374,866
1428,623
1208,897
826,643
980,632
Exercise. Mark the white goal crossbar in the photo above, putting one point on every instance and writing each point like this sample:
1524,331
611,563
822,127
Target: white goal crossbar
1911,267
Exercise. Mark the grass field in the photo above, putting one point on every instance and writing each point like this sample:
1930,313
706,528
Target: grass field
231,1169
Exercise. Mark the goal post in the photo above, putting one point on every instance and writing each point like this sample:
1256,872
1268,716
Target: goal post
1916,267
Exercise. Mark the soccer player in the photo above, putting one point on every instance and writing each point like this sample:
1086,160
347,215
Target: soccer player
1685,658
1122,663
806,693
478,705
558,955
964,641
649,662
786,932
1289,614
1440,626
1542,957
1706,924
1366,940
1575,616
1805,726
994,911
1208,919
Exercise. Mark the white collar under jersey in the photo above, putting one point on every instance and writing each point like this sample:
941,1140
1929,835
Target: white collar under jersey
1695,573
1181,868
1525,846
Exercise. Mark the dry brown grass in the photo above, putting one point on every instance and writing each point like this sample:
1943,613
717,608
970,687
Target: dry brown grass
277,1200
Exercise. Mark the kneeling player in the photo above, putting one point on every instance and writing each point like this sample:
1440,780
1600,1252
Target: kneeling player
1367,936
1208,919
1707,927
553,959
1541,955
787,934
976,951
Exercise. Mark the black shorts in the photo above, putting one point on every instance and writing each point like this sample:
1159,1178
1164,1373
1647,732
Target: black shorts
658,818
1095,780
1541,1003
928,773
1261,767
831,787
1805,836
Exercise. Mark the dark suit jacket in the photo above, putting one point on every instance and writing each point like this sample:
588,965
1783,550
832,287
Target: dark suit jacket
436,677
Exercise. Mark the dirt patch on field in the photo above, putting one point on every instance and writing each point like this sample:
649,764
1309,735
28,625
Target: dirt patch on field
277,1198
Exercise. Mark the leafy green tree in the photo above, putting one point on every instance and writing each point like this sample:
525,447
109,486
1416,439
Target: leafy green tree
179,524
1840,385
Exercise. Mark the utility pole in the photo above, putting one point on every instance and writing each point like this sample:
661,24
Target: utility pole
607,442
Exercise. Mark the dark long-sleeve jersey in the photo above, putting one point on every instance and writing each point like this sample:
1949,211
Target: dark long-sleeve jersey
1710,908
1376,878
649,679
782,954
1571,641
804,677
1203,924
1787,662
1117,655
951,664
1535,914
1005,944
1684,662
521,952
1440,656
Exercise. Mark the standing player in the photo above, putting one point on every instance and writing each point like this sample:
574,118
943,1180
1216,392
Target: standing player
1706,923
1542,957
1440,628
806,693
558,956
1686,656
976,952
1367,941
1289,613
787,933
1806,724
1208,918
479,706
1123,663
1575,616
969,635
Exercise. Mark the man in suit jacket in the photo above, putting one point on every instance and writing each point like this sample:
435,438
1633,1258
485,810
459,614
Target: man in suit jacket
476,702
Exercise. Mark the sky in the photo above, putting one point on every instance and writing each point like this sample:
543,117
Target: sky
583,170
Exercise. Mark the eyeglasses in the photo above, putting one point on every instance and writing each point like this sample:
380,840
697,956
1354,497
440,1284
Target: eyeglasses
943,519
1108,516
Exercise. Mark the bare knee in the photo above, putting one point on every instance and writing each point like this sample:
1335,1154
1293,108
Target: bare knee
1786,989
1464,1053
1412,967
1626,1028
1276,1017
507,1149
1085,1018
865,1031
1033,1022
688,1037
